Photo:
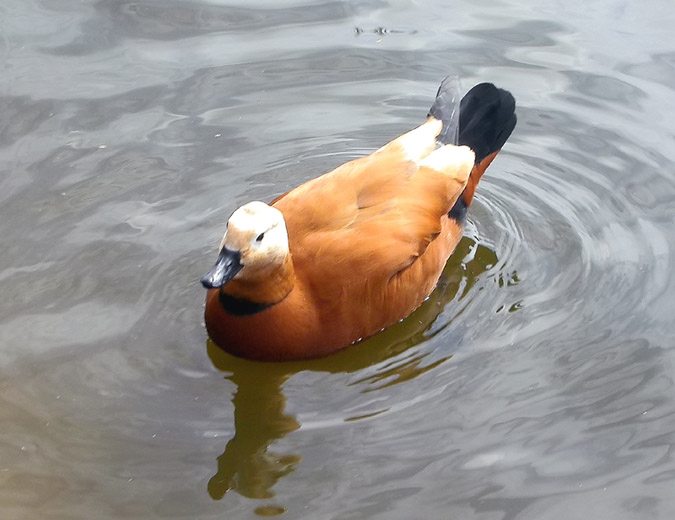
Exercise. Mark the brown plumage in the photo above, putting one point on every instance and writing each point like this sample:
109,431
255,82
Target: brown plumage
355,250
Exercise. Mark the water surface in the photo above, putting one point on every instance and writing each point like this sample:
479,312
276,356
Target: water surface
535,383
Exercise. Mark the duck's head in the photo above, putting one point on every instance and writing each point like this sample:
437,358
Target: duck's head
255,245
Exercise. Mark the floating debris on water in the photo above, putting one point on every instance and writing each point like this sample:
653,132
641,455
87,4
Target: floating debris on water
381,31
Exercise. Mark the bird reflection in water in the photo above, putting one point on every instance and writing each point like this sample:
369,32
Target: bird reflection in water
248,465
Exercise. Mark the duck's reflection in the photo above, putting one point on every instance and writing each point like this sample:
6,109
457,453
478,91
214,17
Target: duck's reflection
247,465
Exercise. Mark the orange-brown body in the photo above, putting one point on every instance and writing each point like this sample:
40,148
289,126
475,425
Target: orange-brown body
368,242
311,322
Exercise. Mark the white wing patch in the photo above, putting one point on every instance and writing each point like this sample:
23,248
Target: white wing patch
455,160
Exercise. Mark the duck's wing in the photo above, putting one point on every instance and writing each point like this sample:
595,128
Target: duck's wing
376,215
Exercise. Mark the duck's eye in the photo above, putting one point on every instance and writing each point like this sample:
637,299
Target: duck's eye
260,237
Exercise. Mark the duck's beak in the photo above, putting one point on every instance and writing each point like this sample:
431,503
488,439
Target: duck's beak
227,266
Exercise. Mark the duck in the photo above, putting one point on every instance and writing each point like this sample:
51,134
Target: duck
351,252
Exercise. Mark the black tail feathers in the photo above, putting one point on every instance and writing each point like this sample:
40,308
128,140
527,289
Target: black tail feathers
485,121
487,116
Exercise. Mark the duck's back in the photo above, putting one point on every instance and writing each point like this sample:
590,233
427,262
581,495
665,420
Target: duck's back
370,239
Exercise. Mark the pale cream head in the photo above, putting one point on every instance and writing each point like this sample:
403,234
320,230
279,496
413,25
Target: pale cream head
258,233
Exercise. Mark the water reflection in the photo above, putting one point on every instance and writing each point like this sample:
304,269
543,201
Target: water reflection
247,465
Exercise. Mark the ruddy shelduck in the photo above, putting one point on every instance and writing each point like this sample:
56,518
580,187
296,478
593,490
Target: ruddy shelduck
351,252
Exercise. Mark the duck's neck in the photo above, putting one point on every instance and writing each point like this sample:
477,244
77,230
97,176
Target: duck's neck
253,295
